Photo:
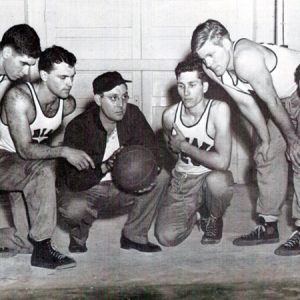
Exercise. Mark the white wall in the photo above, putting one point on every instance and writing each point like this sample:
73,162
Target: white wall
144,40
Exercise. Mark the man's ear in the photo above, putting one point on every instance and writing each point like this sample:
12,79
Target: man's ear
7,51
97,99
43,75
205,86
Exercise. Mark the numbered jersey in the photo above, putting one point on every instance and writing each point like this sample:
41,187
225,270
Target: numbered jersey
197,136
41,128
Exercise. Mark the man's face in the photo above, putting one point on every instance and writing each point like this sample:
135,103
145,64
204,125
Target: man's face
114,103
16,65
190,88
215,57
60,79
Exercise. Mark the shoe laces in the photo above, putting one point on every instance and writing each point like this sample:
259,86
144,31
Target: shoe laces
211,226
293,240
259,229
55,253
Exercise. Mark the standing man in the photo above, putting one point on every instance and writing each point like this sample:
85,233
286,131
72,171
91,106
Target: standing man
244,68
109,124
30,114
199,133
19,50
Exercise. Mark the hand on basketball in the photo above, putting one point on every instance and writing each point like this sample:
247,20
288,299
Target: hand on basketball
109,163
293,154
262,149
176,140
78,158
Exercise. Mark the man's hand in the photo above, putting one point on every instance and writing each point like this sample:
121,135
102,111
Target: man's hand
262,149
293,154
78,158
176,140
108,165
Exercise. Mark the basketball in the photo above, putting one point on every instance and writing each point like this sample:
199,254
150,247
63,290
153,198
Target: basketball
135,168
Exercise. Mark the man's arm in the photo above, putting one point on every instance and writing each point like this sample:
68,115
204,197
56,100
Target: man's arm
250,66
17,105
215,160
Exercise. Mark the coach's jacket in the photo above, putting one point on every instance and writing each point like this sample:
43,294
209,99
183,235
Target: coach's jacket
86,132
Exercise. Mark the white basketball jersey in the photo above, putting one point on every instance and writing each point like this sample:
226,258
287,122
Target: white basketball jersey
41,128
282,73
197,136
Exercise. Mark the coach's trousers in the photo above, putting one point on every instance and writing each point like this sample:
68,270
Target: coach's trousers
81,209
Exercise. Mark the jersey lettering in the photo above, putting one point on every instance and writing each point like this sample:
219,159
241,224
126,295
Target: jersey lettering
41,135
186,159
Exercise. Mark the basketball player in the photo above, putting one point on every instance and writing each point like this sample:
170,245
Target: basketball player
109,124
19,50
244,69
30,114
199,132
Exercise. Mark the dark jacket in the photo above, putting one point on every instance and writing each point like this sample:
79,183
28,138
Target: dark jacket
86,132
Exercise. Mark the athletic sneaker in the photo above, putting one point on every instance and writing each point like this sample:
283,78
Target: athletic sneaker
202,223
264,233
212,231
45,256
291,246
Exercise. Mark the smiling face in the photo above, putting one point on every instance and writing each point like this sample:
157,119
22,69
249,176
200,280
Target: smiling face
190,88
16,65
113,103
60,79
216,56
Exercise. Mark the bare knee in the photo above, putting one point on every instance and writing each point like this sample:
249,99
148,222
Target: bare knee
166,237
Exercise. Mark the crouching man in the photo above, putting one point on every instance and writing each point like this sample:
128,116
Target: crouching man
110,123
198,131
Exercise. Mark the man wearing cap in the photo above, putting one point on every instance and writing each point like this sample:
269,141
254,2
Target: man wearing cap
108,125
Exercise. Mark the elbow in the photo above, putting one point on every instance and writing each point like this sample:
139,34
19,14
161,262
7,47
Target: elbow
23,153
223,165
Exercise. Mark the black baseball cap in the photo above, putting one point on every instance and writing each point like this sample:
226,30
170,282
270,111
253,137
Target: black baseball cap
107,81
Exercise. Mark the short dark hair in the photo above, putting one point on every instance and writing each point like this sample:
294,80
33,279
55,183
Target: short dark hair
23,39
209,30
191,63
55,55
297,74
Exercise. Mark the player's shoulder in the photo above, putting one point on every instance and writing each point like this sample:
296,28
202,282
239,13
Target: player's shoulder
18,93
219,107
169,115
246,50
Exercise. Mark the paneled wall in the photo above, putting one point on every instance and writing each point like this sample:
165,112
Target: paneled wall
144,40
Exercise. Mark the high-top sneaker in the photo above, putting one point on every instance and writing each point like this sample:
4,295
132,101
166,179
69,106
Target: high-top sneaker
264,233
45,256
212,231
291,246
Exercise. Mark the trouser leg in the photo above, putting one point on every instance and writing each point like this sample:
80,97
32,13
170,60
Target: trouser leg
80,209
36,179
218,191
142,212
272,175
177,213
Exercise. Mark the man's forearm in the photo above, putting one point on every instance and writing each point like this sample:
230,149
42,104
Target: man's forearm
40,151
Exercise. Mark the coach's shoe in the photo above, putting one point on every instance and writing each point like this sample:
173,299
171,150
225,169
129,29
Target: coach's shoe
291,246
213,230
128,244
264,233
45,256
75,247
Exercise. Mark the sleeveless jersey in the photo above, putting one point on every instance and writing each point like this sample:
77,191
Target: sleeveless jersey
282,73
197,136
41,127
